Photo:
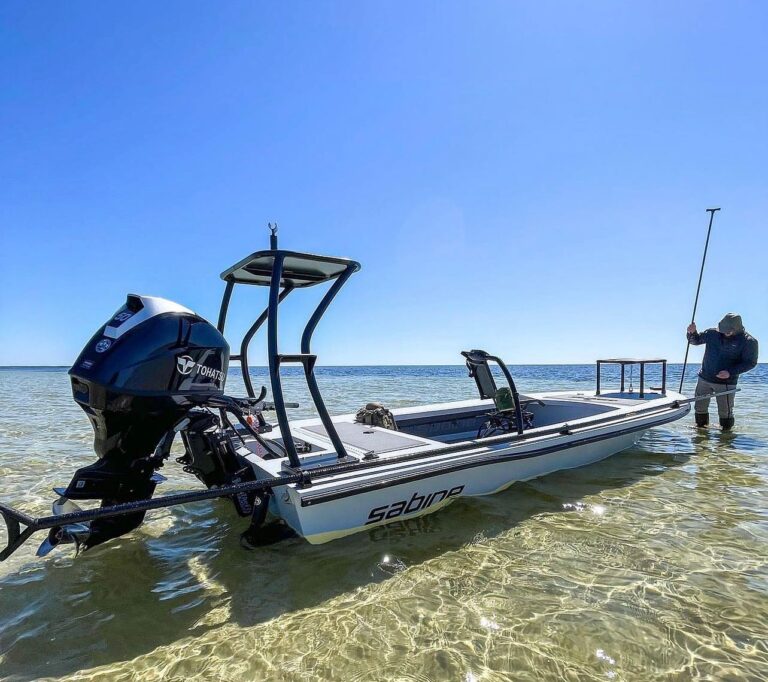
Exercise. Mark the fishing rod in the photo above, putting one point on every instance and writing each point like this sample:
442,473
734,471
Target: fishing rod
711,212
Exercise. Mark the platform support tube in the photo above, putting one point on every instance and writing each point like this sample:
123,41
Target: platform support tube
247,340
306,341
274,362
225,306
597,391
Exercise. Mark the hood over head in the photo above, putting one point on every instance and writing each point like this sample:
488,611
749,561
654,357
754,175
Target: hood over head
731,323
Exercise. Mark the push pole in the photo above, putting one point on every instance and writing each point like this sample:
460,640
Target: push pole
711,212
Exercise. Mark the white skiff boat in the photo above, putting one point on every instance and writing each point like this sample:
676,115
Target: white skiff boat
156,369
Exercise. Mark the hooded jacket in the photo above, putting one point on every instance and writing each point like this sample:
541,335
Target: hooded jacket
736,354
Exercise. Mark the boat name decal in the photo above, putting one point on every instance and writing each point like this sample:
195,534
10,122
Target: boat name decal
416,503
185,365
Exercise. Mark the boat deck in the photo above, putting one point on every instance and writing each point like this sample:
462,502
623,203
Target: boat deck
425,428
370,439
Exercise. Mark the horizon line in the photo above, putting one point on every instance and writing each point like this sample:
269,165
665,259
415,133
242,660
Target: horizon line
518,364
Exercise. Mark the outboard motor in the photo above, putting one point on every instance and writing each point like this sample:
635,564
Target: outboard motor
136,379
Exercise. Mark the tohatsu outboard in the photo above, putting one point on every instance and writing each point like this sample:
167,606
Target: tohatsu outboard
156,371
137,378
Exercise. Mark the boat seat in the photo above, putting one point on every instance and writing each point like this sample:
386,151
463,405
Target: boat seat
480,371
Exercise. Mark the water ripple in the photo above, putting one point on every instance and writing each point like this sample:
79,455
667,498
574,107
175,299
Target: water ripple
649,565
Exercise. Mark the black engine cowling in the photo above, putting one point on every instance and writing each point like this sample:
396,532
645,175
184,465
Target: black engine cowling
143,370
135,379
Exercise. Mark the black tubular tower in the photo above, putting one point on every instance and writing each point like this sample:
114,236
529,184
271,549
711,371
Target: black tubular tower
283,271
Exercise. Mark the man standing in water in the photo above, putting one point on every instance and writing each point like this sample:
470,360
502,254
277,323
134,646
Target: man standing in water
730,351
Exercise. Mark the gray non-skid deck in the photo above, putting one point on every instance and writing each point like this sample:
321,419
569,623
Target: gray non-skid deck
368,438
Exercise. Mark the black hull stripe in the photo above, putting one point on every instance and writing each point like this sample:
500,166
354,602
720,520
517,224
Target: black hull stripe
447,469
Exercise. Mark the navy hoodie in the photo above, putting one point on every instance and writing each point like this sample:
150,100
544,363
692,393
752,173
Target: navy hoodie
737,354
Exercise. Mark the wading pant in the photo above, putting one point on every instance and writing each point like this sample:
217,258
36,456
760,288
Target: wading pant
724,402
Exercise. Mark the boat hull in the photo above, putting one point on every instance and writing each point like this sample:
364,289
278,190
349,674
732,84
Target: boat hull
322,518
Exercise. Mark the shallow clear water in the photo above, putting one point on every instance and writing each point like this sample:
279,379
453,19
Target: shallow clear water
650,565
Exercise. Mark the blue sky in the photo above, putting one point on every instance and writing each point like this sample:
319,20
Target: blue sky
528,178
